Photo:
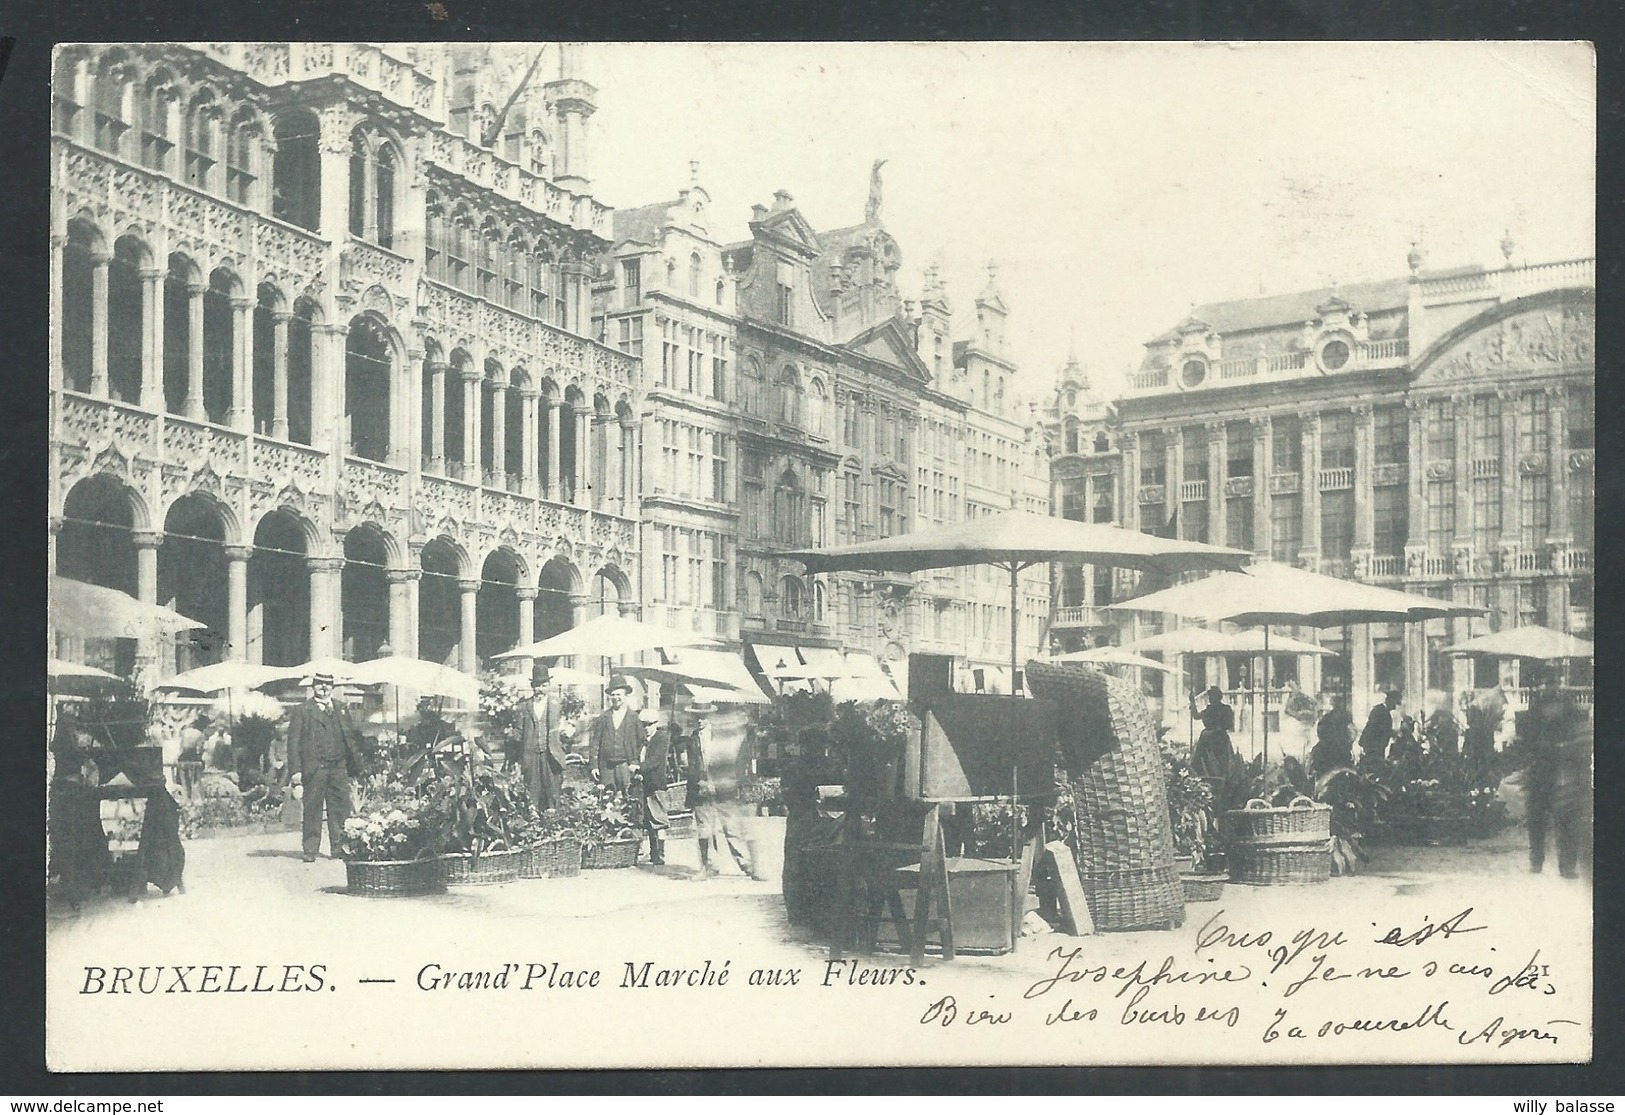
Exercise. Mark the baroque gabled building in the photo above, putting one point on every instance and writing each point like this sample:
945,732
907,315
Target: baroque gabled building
1433,432
322,375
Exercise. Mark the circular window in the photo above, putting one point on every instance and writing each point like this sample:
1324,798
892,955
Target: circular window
1193,373
1334,355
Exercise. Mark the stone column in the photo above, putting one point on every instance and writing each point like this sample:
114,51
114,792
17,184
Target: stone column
578,608
1463,485
1263,463
437,417
499,432
57,246
237,602
1416,480
1128,507
1360,674
629,468
413,638
527,613
527,440
241,414
471,425
467,654
326,616
609,492
1309,548
551,479
1364,471
583,489
408,451
98,323
152,339
194,353
1173,458
400,602
1216,518
279,373
1560,532
146,564
152,649
1511,524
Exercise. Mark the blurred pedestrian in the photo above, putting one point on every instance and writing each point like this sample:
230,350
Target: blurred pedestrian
1379,728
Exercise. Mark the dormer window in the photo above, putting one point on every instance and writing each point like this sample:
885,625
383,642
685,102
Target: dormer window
1193,373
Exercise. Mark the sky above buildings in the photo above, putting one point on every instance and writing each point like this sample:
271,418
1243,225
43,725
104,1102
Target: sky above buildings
1116,185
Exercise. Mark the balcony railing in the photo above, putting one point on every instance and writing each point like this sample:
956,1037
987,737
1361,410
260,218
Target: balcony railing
1484,468
1387,565
1514,282
1286,362
1191,491
1079,615
1149,381
1394,348
1573,561
1438,566
1336,479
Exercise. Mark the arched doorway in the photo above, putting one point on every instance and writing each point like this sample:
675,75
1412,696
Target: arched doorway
439,609
364,593
96,545
192,577
496,621
554,611
279,592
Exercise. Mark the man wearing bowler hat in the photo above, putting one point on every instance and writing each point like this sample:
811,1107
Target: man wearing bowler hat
322,742
541,755
617,738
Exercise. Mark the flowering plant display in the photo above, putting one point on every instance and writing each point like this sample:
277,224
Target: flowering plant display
392,823
610,817
575,817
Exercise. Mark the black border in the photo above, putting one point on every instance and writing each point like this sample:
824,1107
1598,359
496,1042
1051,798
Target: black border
26,35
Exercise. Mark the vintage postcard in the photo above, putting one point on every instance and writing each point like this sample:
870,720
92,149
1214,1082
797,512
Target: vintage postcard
825,554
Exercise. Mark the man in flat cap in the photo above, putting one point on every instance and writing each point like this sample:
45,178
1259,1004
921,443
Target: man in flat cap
541,755
617,738
322,750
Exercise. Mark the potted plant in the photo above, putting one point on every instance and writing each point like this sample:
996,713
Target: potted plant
610,838
1190,811
490,817
391,842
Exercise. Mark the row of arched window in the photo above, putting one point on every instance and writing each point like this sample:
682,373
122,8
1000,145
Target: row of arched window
222,144
795,602
505,266
788,399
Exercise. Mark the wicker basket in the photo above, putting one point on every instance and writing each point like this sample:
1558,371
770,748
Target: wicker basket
1281,865
552,859
1124,838
612,853
680,826
1134,899
394,878
1300,822
464,869
1202,888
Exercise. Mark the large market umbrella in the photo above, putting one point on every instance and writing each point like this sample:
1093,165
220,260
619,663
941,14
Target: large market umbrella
1269,593
61,670
1204,640
85,611
1541,643
610,636
1017,540
219,676
1112,656
406,672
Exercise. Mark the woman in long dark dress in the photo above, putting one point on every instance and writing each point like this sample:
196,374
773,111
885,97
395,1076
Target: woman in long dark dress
1214,754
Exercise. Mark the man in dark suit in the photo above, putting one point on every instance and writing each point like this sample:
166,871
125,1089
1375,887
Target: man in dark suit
322,741
617,738
541,755
1379,726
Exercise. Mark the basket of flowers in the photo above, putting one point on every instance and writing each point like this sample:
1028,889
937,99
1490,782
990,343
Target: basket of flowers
556,852
492,822
390,843
610,840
